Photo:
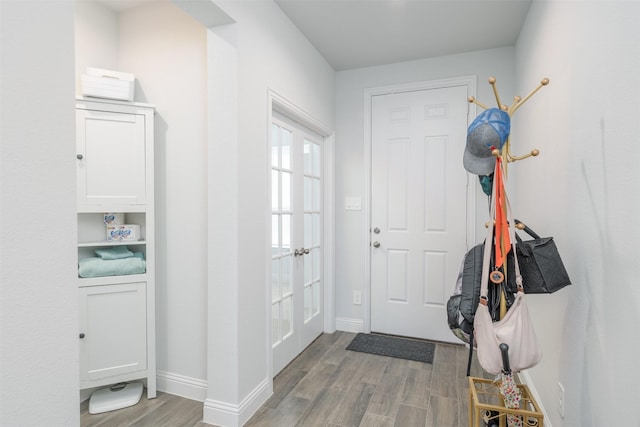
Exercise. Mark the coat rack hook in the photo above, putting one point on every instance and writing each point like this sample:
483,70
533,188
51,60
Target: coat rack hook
492,82
473,100
505,153
511,158
517,105
516,99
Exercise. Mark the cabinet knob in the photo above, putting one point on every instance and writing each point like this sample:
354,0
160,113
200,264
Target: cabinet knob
81,335
79,156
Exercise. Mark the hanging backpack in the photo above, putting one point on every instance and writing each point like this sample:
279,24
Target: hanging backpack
460,308
462,305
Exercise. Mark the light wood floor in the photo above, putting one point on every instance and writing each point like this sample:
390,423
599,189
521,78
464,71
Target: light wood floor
330,386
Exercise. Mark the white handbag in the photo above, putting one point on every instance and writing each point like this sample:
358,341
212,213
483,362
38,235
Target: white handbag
514,329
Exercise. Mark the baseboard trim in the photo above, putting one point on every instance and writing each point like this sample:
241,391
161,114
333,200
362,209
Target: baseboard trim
227,414
183,386
349,325
525,378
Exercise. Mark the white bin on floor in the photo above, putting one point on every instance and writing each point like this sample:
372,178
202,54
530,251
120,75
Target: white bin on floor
117,396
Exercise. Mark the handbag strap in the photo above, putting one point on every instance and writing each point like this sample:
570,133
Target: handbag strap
486,260
527,230
512,232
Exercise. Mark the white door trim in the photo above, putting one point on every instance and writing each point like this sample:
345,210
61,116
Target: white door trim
280,104
369,93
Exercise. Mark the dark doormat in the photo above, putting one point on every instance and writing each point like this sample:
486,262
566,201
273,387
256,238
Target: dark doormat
385,345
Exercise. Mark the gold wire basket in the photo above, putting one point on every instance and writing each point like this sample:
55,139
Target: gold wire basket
486,404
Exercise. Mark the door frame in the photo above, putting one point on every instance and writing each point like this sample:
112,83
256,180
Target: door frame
280,104
471,83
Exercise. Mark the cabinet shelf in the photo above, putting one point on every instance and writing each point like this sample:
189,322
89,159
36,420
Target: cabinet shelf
111,280
99,243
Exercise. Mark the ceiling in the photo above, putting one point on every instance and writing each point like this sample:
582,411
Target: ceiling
121,5
362,33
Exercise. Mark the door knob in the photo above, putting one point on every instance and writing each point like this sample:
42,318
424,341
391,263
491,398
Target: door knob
81,335
376,230
79,156
300,252
376,244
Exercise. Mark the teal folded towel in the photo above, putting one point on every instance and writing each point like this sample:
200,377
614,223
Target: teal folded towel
98,267
114,252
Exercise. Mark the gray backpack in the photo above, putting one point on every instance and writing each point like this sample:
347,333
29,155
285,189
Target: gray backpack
462,305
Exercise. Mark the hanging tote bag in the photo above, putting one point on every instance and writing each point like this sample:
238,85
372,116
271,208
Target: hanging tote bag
541,266
514,329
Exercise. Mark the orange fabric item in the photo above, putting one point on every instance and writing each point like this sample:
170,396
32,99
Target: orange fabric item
503,240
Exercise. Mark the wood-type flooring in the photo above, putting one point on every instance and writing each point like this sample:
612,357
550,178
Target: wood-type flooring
329,386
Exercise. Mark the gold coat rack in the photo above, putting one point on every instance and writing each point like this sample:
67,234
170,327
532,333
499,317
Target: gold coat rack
506,154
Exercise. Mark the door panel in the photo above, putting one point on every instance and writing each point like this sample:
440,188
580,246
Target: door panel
111,166
419,202
113,320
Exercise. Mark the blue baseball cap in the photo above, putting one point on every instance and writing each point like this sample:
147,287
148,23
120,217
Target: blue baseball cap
489,129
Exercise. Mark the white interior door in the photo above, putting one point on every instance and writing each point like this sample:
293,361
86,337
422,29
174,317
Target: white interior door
418,209
296,246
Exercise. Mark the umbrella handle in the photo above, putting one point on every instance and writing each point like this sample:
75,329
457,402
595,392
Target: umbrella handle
504,349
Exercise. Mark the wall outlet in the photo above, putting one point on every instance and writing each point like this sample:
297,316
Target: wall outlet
561,399
357,297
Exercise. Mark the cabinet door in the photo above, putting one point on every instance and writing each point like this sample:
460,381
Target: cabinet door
113,320
110,158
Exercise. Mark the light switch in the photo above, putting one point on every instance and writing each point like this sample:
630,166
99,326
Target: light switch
352,203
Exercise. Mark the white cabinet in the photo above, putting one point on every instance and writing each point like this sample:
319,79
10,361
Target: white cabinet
113,318
114,159
111,152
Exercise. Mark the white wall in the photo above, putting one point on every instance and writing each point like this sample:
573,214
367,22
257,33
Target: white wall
38,298
289,65
271,54
96,41
166,50
583,190
351,243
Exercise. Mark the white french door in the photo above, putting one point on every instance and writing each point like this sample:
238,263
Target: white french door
296,244
418,209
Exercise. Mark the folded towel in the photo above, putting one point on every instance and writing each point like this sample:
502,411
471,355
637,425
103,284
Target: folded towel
98,267
114,252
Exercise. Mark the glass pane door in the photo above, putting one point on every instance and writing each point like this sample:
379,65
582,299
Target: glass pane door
281,229
312,216
296,246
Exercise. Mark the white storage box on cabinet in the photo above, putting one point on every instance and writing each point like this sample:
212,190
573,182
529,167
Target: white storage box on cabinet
108,84
115,169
